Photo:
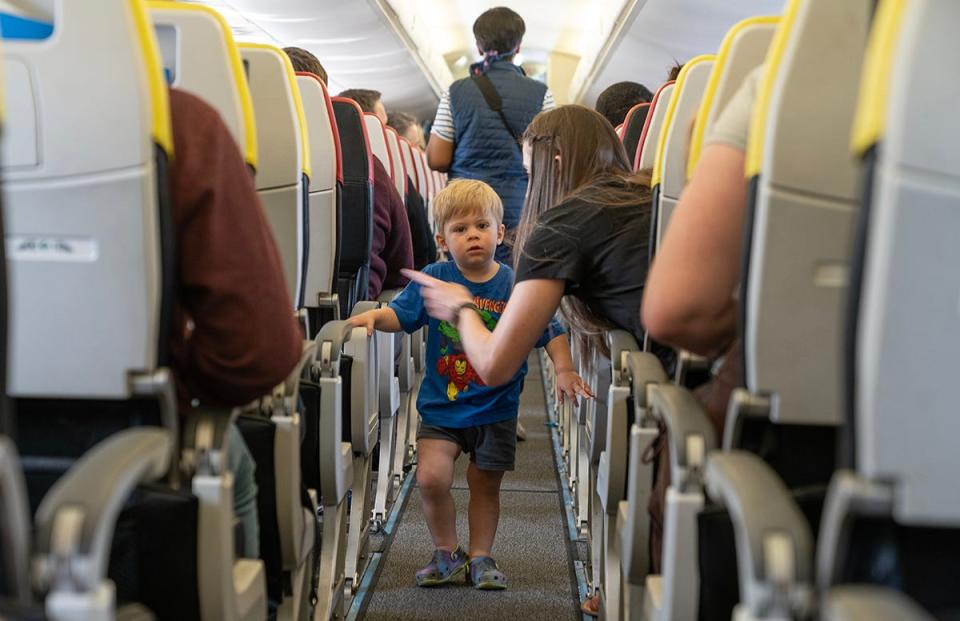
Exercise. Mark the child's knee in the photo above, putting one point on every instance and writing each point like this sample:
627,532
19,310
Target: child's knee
432,482
484,481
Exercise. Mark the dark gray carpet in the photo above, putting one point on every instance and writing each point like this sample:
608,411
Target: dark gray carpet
532,548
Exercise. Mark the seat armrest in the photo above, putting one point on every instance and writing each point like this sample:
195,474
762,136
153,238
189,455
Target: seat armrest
363,307
852,603
76,518
387,295
774,542
848,496
329,344
688,361
303,318
644,369
14,525
621,343
206,435
691,433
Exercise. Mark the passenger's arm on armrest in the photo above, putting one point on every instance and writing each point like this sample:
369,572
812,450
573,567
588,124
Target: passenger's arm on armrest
439,153
688,301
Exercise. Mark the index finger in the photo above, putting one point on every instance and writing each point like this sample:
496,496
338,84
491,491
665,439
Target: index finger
420,278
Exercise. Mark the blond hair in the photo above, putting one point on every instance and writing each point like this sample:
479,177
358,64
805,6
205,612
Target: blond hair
464,197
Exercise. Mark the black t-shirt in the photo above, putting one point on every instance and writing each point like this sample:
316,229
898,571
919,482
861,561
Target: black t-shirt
599,251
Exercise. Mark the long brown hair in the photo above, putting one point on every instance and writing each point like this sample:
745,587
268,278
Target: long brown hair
592,165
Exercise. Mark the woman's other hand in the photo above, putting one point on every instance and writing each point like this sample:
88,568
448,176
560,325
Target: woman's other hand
571,386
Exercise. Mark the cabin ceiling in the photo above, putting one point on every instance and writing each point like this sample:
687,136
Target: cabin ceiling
410,50
666,31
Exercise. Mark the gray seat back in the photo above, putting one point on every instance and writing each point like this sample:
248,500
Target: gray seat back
201,57
398,172
803,202
669,170
284,157
907,339
89,235
326,170
743,48
652,126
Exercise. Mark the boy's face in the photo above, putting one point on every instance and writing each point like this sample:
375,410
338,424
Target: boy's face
471,239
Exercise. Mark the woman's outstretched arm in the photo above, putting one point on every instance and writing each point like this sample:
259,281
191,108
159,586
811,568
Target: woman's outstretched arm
496,355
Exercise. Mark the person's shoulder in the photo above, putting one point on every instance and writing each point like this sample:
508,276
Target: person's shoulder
188,108
568,211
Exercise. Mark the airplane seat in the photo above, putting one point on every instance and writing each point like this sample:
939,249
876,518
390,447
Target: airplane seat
356,204
284,169
321,300
397,172
423,184
388,351
781,431
200,56
891,520
631,371
682,590
633,127
652,125
361,426
669,178
71,213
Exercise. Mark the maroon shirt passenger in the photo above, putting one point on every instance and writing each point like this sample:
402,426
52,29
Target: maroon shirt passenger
234,336
392,248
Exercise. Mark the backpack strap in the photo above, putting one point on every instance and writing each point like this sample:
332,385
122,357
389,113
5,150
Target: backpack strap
492,97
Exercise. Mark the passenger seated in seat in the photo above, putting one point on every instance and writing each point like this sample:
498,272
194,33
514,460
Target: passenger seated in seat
408,127
617,99
234,336
392,248
690,301
424,248
458,411
304,61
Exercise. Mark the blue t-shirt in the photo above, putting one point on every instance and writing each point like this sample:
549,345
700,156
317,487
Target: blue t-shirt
452,394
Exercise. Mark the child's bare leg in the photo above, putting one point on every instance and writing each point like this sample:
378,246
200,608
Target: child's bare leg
484,512
435,477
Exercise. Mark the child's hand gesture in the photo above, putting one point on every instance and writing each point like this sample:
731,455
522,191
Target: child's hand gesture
366,320
569,385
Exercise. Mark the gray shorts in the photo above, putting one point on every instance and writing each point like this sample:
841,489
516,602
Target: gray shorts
491,447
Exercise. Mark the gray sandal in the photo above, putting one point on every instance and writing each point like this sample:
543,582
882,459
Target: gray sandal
485,576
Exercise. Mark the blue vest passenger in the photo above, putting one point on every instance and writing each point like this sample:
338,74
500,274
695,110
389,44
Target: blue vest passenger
485,150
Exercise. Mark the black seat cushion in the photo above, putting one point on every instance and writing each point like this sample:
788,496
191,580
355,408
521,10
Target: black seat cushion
719,581
923,562
260,435
153,560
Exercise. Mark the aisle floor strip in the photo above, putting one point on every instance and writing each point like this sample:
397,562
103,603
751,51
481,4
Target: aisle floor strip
367,581
572,532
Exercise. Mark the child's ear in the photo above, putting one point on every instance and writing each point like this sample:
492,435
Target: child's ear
501,232
441,244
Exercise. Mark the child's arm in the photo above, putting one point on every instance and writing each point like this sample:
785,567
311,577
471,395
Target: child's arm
382,319
569,382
